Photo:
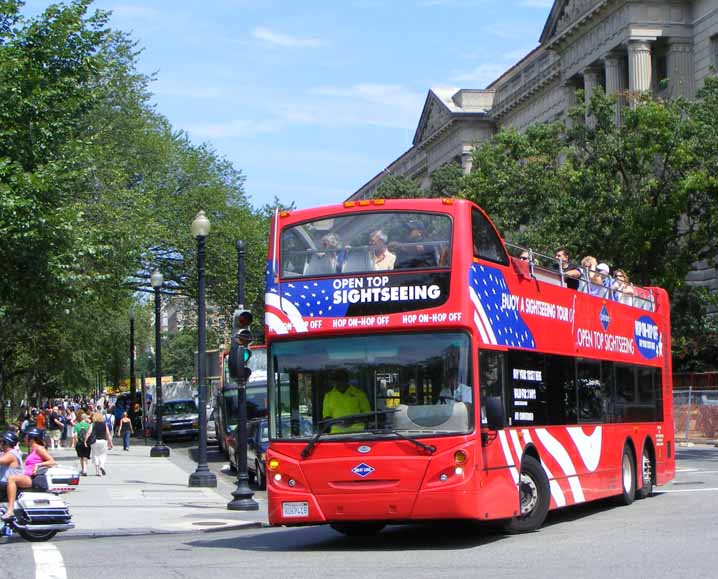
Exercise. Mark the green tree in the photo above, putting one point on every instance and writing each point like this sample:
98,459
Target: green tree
640,196
447,181
96,190
398,187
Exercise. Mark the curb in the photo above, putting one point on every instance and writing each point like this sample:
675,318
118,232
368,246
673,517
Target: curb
104,534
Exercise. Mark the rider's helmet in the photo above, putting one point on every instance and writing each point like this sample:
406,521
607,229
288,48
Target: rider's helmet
10,438
34,433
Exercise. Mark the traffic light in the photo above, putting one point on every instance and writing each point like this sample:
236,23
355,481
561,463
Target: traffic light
239,353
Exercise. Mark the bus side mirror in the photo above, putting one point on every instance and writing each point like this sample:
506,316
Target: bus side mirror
495,413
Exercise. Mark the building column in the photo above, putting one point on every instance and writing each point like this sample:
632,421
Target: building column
591,81
639,66
467,159
679,63
616,81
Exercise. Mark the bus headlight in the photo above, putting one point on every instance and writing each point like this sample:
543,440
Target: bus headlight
460,457
273,464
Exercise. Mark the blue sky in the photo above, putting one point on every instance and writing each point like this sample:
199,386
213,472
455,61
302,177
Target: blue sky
312,99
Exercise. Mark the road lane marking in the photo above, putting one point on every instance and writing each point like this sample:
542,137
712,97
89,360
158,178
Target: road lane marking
658,492
48,562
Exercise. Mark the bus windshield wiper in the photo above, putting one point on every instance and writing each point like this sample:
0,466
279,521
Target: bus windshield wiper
348,419
431,449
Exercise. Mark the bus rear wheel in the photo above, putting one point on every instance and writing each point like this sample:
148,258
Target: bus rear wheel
628,477
358,529
534,496
646,474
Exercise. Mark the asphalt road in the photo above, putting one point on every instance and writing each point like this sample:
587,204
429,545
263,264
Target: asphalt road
672,534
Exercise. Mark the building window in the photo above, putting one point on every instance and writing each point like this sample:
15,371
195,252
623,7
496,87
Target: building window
714,53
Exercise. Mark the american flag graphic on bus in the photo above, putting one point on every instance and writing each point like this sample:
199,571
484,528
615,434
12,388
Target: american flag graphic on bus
287,305
496,325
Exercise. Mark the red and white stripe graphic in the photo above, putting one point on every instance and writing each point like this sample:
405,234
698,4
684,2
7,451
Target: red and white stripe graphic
481,319
556,457
282,316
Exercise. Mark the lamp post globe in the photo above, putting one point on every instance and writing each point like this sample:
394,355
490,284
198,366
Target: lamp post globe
200,225
159,449
202,477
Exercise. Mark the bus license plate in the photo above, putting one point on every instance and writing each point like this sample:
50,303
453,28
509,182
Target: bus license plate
295,509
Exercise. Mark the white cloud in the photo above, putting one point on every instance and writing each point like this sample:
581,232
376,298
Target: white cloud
482,75
384,105
537,3
285,40
135,12
186,89
234,129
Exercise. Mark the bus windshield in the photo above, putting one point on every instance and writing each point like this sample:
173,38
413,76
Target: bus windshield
417,384
365,242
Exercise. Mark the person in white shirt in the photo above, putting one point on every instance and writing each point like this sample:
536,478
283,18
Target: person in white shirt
381,258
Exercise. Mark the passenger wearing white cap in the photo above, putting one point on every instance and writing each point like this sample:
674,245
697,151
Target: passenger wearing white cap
606,280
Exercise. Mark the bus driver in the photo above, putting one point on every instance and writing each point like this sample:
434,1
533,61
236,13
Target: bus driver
343,400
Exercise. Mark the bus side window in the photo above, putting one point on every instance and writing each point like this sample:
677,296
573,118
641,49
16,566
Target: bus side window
487,244
492,372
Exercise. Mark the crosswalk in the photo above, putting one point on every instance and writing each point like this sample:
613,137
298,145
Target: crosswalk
48,561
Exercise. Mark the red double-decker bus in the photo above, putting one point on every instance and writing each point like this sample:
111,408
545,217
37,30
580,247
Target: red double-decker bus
420,369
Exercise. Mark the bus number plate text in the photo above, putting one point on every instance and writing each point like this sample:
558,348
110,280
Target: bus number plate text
295,509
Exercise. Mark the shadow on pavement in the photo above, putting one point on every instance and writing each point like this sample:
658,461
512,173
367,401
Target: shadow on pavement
443,536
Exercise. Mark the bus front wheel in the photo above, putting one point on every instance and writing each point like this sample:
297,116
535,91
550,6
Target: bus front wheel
534,497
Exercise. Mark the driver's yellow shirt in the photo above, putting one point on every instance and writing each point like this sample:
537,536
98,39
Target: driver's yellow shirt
337,404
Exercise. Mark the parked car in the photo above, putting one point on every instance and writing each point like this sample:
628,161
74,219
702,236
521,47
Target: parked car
211,426
257,444
180,418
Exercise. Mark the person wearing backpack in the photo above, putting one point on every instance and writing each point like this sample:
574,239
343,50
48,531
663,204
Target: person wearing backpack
79,433
99,438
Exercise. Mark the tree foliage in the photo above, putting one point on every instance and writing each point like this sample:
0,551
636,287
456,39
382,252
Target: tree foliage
640,196
96,190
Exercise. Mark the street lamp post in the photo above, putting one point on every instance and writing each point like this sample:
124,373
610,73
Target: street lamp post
202,477
159,449
242,494
133,385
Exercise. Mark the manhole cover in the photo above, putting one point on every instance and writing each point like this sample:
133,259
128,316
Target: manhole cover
208,523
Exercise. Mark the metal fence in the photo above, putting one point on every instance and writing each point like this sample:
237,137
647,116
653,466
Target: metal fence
695,414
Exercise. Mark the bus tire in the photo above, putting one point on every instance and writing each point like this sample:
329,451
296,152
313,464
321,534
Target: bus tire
534,498
646,474
359,529
628,477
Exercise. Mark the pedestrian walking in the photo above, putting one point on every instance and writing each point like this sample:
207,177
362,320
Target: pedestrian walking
99,438
125,429
55,427
79,433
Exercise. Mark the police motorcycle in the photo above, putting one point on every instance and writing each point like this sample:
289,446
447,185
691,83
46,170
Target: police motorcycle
39,512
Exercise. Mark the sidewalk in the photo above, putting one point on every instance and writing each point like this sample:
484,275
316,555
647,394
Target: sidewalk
143,495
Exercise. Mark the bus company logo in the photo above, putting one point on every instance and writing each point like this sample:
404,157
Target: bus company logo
605,318
363,470
648,338
364,449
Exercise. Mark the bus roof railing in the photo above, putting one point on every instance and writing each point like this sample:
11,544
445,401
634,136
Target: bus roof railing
548,269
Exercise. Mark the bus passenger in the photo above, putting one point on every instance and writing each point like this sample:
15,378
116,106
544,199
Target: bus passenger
571,273
413,253
381,257
343,400
328,257
622,287
604,271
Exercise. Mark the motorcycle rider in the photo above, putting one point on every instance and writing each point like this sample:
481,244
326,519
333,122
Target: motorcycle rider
10,459
36,458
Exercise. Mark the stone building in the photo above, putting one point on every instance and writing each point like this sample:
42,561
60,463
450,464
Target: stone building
665,47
